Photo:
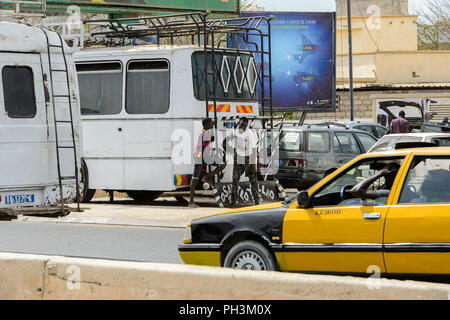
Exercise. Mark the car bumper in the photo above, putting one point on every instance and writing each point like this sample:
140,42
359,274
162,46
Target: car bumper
201,254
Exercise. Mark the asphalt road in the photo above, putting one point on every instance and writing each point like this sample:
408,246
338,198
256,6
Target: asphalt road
88,241
146,244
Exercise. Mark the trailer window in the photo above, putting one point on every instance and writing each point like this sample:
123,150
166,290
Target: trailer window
18,92
236,76
100,88
148,87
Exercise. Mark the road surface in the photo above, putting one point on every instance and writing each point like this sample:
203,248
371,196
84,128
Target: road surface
88,241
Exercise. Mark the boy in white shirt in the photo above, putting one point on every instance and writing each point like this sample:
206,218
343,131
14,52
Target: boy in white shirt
245,160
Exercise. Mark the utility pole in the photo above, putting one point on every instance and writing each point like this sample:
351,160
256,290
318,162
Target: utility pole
350,58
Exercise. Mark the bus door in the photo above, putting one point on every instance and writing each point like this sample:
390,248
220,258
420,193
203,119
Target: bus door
148,127
101,100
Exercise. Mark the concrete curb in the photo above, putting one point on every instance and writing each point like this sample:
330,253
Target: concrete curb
26,276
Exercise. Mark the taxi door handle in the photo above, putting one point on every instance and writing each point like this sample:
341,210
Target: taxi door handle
372,216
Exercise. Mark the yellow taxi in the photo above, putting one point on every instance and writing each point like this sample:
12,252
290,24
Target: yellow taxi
385,212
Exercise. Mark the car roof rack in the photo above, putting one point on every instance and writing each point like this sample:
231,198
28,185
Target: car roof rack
289,123
329,124
411,145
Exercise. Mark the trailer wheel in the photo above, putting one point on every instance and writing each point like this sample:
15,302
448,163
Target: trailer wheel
144,196
86,194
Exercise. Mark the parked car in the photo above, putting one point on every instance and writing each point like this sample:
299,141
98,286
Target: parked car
309,153
389,142
414,113
435,127
329,230
375,129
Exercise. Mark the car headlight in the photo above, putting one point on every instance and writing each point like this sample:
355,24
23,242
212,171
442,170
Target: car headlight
187,238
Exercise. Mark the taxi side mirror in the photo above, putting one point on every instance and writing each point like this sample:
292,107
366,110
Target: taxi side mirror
303,199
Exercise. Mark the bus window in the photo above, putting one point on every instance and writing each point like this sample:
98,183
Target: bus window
100,86
148,87
18,92
236,76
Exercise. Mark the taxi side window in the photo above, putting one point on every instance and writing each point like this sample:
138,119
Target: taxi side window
427,181
336,193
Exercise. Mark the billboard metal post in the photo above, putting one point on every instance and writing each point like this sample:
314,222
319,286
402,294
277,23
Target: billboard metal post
350,58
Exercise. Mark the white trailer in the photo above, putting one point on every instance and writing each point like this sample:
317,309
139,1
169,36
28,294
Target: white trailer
142,105
39,122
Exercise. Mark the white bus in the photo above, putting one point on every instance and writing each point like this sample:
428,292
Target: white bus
138,102
39,122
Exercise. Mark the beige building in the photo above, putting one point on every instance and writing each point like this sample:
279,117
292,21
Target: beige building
386,61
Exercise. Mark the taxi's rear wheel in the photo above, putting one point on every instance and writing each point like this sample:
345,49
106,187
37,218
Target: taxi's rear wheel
250,255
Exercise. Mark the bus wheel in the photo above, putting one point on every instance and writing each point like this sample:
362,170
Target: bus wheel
144,196
86,194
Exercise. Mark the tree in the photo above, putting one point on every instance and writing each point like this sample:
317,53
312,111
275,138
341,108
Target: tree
247,5
434,25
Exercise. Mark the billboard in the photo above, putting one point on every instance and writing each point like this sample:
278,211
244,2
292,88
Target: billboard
303,60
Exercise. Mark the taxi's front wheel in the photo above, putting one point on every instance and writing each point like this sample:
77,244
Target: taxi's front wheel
250,255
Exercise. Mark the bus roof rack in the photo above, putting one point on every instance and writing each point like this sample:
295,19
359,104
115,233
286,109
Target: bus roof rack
217,37
194,25
13,8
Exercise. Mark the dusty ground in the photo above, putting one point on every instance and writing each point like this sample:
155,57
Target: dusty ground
166,211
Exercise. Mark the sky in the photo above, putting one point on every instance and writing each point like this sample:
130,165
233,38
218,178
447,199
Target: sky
303,5
316,5
415,4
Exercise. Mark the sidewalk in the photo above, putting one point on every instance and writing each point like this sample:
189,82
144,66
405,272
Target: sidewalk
165,212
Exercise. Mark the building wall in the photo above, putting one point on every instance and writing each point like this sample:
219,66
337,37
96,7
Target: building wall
393,67
375,34
385,46
386,7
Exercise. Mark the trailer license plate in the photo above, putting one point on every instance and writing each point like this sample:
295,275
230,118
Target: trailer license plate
20,198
